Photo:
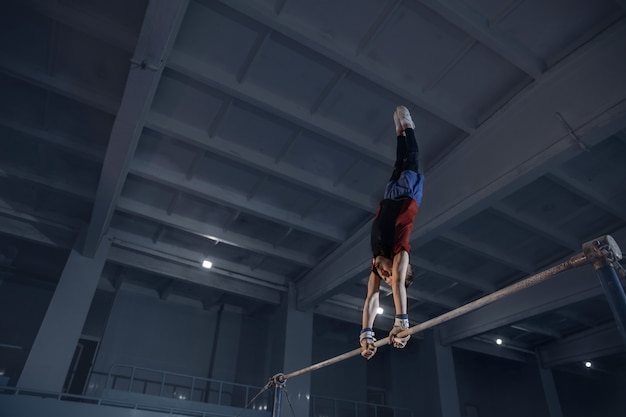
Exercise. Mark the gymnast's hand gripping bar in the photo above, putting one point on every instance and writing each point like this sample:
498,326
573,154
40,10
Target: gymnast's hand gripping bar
602,252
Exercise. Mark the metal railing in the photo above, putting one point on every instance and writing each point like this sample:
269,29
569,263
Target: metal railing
171,385
319,406
333,407
97,401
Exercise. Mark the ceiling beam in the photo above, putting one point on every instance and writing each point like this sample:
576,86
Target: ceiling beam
89,23
205,277
26,213
253,56
359,64
355,294
159,29
529,150
537,226
492,349
350,309
588,192
115,278
339,269
62,142
525,151
534,328
48,235
561,290
340,311
438,300
594,343
55,234
417,298
58,185
36,229
165,290
154,214
227,149
193,258
208,231
576,316
193,187
62,86
110,105
381,21
336,271
263,99
194,136
327,90
235,200
487,250
478,27
459,276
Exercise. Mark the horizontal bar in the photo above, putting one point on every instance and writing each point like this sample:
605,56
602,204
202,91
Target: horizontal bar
573,262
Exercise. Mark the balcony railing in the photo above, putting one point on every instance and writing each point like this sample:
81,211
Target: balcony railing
146,381
38,395
175,386
333,407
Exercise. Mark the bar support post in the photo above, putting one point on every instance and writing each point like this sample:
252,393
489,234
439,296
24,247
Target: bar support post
605,254
279,383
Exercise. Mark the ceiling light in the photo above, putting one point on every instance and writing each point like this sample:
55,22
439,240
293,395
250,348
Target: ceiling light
380,310
587,364
207,264
498,341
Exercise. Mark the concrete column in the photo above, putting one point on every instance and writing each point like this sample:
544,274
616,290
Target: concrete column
298,347
442,400
549,390
227,339
51,354
225,354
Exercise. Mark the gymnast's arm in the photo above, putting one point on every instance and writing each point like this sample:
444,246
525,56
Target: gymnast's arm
398,279
366,337
371,301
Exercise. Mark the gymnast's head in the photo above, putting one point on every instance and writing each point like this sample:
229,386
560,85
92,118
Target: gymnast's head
383,268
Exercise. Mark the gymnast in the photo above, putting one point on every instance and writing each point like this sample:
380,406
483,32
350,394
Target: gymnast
391,232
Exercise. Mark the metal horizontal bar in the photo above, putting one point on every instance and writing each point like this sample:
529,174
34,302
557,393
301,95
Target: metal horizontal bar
574,261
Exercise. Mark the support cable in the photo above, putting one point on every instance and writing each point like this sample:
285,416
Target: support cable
293,413
267,386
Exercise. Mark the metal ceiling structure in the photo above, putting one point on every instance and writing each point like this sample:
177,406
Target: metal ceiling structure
259,135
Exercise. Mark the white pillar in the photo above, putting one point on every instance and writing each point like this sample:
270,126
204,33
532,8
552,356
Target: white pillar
51,354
